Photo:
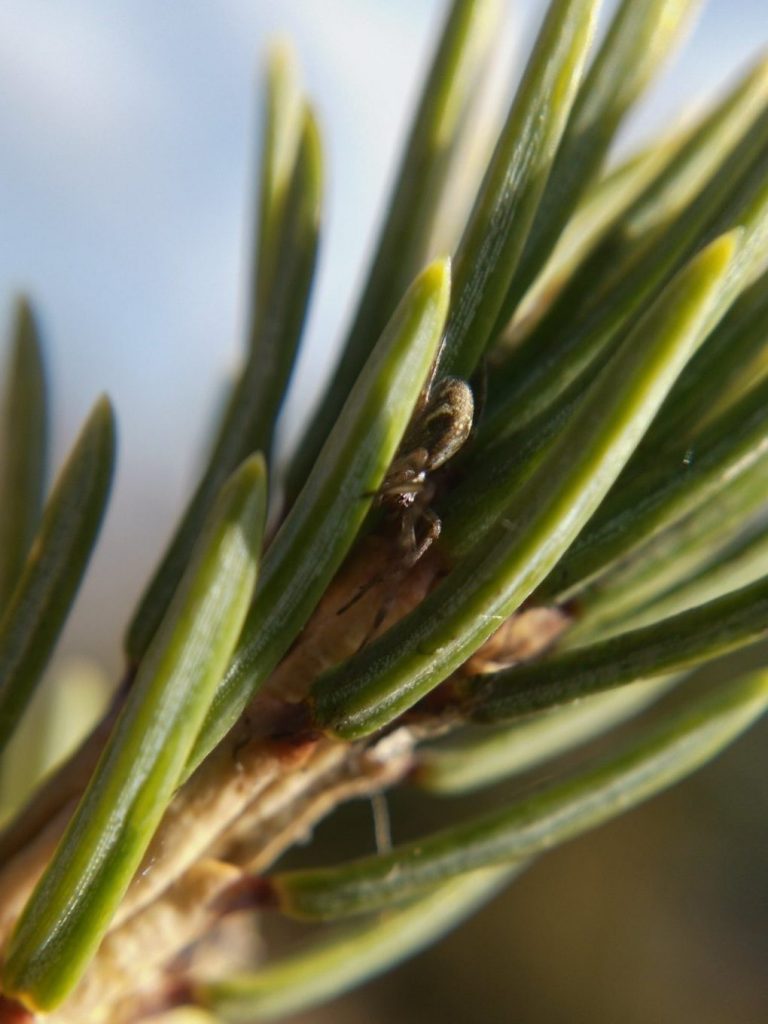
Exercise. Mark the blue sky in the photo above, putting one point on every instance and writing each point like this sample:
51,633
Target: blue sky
128,141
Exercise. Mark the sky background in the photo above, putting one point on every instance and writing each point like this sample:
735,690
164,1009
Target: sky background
129,144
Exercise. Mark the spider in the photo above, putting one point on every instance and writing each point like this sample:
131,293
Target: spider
441,425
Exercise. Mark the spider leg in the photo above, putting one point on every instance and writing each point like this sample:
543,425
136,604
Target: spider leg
407,538
361,591
417,548
382,612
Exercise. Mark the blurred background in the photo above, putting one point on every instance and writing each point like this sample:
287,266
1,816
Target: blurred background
129,144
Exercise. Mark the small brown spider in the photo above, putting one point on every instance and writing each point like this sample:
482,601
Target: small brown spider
440,426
